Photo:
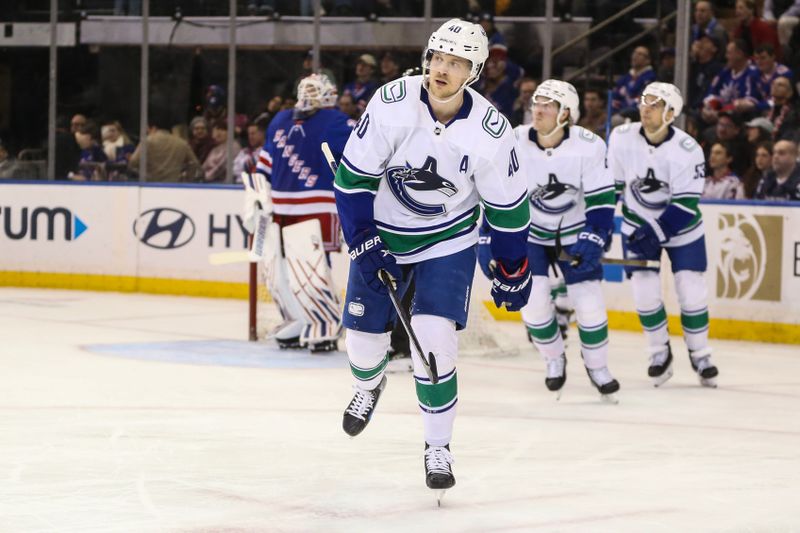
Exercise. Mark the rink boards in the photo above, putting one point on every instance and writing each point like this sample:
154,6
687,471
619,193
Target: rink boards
157,238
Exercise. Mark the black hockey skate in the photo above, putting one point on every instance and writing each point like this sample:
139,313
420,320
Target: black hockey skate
292,343
359,412
706,371
605,383
438,469
660,368
324,346
563,317
556,374
399,361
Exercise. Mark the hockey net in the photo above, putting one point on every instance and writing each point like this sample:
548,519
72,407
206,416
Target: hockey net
477,340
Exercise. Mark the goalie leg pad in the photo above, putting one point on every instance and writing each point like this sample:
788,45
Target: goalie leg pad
650,307
311,282
590,309
693,298
277,281
368,354
437,402
540,319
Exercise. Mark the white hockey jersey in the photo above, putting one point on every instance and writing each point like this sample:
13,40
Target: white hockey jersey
663,181
568,183
420,181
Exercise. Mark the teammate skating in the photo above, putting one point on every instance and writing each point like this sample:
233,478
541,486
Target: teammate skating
571,192
660,171
426,152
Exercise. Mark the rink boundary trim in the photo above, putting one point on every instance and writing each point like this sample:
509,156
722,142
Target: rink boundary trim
720,328
99,282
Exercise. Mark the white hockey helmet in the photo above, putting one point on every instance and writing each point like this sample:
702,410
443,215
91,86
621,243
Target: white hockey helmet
314,92
669,93
463,39
565,94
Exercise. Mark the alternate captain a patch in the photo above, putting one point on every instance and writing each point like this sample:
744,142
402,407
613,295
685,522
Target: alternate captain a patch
420,190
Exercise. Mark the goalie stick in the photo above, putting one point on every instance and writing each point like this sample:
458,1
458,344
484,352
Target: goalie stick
574,261
429,363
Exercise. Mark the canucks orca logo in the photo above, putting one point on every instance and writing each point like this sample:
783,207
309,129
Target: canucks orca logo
650,191
554,197
416,187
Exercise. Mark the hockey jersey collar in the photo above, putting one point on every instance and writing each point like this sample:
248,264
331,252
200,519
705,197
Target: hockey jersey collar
534,138
464,112
670,135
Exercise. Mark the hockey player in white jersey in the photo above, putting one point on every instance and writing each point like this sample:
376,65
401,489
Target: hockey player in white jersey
660,171
569,186
426,152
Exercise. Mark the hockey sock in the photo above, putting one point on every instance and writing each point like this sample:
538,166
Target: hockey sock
652,315
437,402
541,321
592,322
368,354
693,297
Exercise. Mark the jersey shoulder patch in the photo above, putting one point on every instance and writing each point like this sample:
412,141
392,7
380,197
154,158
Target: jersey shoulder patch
688,144
586,135
623,128
494,123
394,91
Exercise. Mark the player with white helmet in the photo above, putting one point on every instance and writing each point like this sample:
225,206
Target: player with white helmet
426,152
571,192
290,206
660,171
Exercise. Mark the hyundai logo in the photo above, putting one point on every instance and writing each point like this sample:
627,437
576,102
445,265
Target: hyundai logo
164,228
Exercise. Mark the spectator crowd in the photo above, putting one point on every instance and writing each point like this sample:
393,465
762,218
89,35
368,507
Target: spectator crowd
742,107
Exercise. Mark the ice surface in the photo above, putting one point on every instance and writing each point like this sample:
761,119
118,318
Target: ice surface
141,413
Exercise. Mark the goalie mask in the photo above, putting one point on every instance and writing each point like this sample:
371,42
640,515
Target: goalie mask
462,39
567,97
315,92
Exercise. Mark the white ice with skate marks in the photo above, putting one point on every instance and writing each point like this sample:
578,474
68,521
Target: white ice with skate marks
93,442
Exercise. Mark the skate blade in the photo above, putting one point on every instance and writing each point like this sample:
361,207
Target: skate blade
609,398
557,394
663,378
440,496
711,383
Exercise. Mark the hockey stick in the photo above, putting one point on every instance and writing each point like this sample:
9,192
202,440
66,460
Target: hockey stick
326,149
227,258
428,364
573,261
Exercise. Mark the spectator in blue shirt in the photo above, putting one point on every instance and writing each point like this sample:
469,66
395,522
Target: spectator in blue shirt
92,163
625,97
364,85
495,84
